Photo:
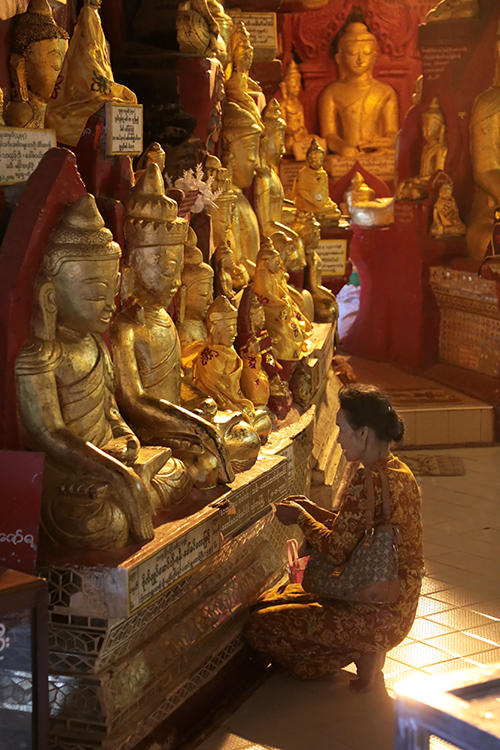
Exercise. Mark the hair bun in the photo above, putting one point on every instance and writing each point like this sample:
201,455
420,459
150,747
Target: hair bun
395,426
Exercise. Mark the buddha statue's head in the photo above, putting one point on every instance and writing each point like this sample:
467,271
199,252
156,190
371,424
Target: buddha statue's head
37,49
198,281
79,275
357,51
272,142
213,168
315,155
155,240
240,144
257,315
446,191
154,154
358,191
222,322
292,80
224,257
241,49
268,257
434,123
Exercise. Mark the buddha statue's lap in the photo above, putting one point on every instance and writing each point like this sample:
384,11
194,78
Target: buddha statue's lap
101,487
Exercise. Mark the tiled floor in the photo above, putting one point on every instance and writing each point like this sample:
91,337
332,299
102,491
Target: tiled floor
457,626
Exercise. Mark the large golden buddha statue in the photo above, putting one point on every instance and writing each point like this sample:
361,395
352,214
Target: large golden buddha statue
100,486
485,150
240,152
358,113
145,344
288,327
37,49
310,188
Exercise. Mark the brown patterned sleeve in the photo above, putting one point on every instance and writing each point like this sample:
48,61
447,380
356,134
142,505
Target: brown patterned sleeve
348,527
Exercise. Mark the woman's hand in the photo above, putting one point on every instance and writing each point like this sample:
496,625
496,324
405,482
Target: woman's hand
288,513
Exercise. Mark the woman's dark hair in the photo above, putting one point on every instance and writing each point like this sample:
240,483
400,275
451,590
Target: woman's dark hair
367,406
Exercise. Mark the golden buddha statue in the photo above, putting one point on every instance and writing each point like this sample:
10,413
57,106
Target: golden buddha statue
100,486
197,29
292,108
217,367
310,188
86,80
269,194
433,157
240,149
145,343
446,220
358,113
197,295
325,303
448,9
254,380
224,267
362,206
154,154
485,150
240,88
37,49
288,327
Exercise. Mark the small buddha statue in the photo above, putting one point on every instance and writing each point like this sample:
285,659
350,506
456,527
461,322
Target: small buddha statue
448,9
254,380
145,344
197,29
292,108
100,486
154,154
269,194
357,113
325,303
362,206
446,220
197,285
287,326
217,367
240,88
86,81
485,150
310,187
37,49
240,152
224,267
433,157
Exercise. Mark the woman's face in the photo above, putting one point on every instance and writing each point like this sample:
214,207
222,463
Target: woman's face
352,441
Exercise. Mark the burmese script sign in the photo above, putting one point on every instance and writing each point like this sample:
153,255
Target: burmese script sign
435,60
333,256
124,129
159,572
381,164
262,30
21,150
289,170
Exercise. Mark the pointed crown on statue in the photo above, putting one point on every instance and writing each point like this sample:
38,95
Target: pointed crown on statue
292,72
314,147
271,117
35,25
221,309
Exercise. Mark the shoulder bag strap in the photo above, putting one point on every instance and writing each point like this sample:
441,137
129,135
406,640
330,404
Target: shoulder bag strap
386,495
370,502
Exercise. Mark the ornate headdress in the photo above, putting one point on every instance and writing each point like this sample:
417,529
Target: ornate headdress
267,250
195,269
240,43
237,122
314,146
33,26
271,117
221,309
292,71
435,109
154,154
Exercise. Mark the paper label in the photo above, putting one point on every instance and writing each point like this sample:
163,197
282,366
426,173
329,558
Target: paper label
21,150
333,257
260,26
124,129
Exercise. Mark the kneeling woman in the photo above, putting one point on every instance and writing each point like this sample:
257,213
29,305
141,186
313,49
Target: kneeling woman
312,637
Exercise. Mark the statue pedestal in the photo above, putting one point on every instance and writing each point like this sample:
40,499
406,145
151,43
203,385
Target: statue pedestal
398,319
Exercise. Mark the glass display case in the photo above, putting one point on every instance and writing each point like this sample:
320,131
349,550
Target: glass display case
23,662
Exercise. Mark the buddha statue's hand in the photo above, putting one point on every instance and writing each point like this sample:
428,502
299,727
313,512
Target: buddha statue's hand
215,444
349,152
135,503
124,448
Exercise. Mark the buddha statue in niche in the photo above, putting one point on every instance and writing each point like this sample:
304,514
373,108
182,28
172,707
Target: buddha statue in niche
217,367
269,194
357,113
240,87
434,153
100,486
37,49
197,287
446,220
285,323
310,188
145,344
485,151
240,152
292,108
448,9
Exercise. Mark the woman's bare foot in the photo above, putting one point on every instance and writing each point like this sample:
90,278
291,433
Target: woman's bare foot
369,666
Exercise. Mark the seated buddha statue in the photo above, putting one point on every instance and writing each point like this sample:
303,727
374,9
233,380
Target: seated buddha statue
448,9
485,151
37,49
433,156
145,344
310,187
287,326
100,487
325,303
240,152
269,194
357,113
446,221
217,367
